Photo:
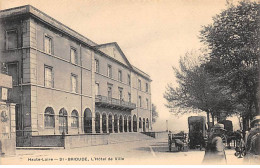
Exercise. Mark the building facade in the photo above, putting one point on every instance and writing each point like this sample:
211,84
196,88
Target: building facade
7,115
64,83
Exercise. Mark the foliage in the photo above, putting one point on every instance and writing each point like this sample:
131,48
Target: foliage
227,80
196,90
233,41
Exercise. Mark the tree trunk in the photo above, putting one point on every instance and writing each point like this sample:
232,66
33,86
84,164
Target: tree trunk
244,126
246,118
213,120
256,102
208,120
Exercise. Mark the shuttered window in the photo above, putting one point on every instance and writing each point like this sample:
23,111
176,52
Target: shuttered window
48,44
11,39
74,83
48,76
73,56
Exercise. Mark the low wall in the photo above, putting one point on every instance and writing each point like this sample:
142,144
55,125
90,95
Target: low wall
83,140
40,141
67,141
157,135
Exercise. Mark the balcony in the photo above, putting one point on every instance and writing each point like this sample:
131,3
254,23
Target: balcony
103,101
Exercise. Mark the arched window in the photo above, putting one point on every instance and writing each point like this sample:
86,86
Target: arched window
144,125
110,123
104,123
121,123
97,122
134,123
129,124
125,123
74,119
140,122
49,119
147,123
87,121
115,123
63,121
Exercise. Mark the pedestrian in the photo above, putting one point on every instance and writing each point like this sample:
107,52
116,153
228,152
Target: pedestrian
215,149
253,143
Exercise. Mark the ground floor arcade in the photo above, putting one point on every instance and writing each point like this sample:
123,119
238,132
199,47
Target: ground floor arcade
73,122
116,123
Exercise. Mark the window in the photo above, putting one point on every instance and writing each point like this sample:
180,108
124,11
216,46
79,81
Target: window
129,97
120,93
48,44
147,104
97,89
48,76
128,79
74,83
96,65
11,39
109,71
120,75
12,70
140,122
63,121
74,119
139,84
49,120
109,92
147,123
140,101
73,56
146,87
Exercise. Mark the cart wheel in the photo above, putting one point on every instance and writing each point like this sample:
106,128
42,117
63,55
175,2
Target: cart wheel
243,153
224,140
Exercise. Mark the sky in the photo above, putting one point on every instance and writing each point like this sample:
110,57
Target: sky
153,34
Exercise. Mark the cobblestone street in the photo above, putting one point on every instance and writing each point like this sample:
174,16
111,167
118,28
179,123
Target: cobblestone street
137,152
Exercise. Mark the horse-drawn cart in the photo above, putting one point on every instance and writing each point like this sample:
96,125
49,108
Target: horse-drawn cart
229,135
177,141
197,132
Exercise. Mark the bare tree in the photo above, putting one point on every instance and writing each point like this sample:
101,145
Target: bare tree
196,90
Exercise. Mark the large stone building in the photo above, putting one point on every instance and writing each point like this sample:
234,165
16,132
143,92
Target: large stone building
64,83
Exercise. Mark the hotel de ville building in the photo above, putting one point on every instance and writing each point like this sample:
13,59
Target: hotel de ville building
64,84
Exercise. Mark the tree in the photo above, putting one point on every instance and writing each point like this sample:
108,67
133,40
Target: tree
196,90
154,113
233,41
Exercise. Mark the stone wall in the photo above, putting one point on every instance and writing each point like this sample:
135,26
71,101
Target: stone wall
67,141
41,141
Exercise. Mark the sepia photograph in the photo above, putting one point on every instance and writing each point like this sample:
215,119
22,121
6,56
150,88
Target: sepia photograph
129,82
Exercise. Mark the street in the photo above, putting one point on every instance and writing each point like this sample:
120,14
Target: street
147,152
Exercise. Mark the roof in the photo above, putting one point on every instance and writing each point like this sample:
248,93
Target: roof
36,13
141,72
133,68
118,48
28,9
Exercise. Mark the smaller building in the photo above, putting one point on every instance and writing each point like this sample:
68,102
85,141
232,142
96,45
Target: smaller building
7,118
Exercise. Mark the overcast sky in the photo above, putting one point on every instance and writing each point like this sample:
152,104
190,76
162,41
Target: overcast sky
153,34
